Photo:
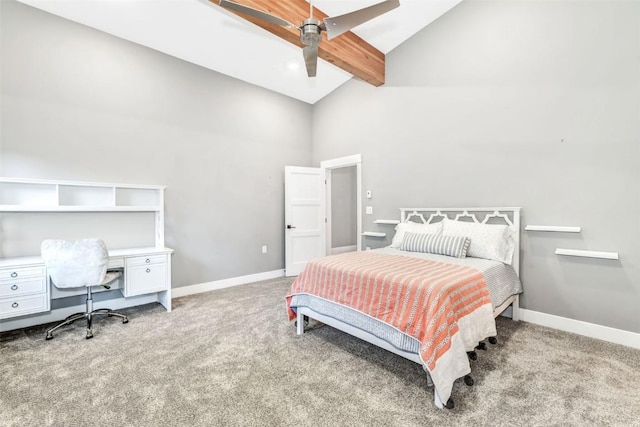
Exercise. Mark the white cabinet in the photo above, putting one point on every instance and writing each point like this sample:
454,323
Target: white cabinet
146,274
23,290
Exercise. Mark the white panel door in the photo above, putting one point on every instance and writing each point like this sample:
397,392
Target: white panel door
304,217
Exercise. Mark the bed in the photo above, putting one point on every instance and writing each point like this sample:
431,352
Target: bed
431,296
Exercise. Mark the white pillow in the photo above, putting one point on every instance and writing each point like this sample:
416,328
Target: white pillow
488,241
413,227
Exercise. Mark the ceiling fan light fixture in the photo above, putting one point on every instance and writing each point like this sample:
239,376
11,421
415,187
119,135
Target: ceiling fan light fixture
310,32
311,29
292,65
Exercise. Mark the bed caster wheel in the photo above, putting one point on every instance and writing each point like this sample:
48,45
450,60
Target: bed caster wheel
468,380
493,340
472,355
449,404
481,346
306,321
49,336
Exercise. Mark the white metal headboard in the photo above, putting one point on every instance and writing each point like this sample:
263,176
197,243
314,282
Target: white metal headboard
482,215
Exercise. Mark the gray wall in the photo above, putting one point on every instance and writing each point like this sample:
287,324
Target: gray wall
501,103
78,104
343,207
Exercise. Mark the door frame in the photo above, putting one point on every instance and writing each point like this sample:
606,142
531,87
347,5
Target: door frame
327,166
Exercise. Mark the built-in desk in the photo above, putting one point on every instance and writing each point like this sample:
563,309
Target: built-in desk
25,288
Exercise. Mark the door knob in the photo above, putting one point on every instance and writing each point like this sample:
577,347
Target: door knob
289,226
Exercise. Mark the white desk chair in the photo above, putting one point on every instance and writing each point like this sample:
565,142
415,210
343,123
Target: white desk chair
75,264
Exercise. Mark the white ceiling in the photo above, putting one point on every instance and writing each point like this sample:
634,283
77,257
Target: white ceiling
205,34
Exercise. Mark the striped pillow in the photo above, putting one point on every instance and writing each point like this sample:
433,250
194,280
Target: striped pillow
455,246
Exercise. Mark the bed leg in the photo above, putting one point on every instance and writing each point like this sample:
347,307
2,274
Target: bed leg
436,400
300,324
515,309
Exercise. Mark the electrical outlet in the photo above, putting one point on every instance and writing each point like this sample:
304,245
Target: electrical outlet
369,194
369,210
264,249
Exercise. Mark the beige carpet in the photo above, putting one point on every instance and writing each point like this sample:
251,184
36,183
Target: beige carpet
230,358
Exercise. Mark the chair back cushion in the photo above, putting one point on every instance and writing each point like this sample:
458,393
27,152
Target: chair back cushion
77,263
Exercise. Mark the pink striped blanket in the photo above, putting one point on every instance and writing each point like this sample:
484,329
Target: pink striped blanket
446,307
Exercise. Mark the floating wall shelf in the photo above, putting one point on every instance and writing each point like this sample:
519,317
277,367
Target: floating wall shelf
374,234
387,221
556,228
587,254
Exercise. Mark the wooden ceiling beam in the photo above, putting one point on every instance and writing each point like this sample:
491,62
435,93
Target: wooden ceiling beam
348,51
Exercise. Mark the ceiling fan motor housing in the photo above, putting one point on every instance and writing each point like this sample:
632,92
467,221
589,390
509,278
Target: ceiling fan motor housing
310,32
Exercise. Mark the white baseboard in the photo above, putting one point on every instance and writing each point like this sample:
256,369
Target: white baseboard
344,249
225,283
59,314
605,333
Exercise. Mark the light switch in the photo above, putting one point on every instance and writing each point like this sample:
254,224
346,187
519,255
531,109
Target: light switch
369,210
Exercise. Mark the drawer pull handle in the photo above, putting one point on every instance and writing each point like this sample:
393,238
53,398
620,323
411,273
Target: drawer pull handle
14,305
14,274
14,287
148,270
147,260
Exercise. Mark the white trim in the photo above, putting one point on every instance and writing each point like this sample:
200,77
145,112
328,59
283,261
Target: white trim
60,313
605,333
556,228
344,249
225,283
341,162
587,254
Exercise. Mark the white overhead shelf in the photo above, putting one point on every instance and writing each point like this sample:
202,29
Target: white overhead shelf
587,254
553,228
374,234
387,221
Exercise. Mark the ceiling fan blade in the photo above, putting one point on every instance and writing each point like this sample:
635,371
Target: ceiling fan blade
256,13
311,59
341,24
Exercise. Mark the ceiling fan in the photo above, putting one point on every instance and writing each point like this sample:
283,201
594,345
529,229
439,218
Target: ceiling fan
311,28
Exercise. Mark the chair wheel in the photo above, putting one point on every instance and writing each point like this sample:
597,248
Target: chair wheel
449,404
468,380
493,340
472,355
89,335
48,337
125,320
481,346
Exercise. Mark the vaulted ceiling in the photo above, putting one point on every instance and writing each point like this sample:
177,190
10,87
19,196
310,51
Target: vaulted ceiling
266,55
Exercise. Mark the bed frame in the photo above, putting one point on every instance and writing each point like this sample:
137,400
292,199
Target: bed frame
492,215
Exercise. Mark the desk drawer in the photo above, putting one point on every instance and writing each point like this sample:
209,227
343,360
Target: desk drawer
145,279
20,273
145,260
22,287
12,307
